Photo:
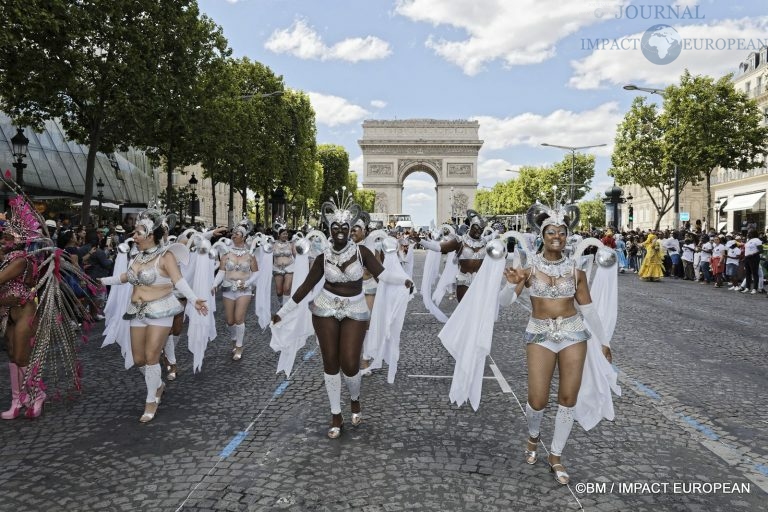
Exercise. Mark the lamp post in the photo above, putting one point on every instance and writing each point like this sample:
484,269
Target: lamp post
193,203
453,208
630,211
660,92
613,197
100,195
19,143
573,150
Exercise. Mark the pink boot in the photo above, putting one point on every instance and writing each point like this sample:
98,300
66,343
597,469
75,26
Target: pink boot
35,408
15,409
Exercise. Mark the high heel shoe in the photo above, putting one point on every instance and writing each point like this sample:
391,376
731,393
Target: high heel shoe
37,406
335,432
159,393
171,372
357,417
530,455
148,415
561,476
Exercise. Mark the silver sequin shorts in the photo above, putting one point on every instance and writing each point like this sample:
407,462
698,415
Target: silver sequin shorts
555,334
328,304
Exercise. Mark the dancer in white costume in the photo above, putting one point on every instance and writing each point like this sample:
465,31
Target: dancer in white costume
238,272
339,312
284,258
563,319
153,273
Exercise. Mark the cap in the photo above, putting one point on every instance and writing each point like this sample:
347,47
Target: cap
50,223
119,229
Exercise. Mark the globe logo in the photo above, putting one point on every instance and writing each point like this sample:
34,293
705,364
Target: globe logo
661,44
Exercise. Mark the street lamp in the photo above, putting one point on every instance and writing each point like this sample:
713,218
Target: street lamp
193,204
630,211
100,196
19,143
661,92
453,207
573,150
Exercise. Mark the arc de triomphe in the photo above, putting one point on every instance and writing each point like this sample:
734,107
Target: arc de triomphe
445,150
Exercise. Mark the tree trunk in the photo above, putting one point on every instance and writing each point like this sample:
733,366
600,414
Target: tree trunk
90,167
213,196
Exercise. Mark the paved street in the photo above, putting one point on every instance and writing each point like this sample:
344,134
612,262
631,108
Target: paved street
691,429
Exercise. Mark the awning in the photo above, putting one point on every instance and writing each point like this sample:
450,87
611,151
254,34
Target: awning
744,202
95,204
721,227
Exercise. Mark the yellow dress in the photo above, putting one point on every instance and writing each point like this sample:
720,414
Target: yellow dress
652,267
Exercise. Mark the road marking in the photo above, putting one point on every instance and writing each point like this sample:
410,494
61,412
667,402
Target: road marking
234,443
440,377
503,384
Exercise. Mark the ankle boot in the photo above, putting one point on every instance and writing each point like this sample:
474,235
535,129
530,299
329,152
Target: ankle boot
35,408
15,409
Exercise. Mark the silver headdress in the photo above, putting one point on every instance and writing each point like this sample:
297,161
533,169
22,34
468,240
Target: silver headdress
475,218
341,210
244,227
279,225
364,220
555,216
151,219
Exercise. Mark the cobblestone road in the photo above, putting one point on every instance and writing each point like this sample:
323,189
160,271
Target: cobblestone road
238,437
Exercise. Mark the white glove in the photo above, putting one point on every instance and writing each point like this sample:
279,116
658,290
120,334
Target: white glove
111,281
431,245
289,306
186,290
218,279
507,295
251,282
589,312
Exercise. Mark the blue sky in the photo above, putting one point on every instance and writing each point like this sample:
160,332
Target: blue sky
527,70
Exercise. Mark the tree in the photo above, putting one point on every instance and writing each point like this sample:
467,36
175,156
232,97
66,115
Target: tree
335,162
99,66
710,124
592,214
639,156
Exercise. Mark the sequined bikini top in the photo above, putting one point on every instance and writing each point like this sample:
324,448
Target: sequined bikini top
334,261
147,276
468,248
552,279
17,286
232,265
282,249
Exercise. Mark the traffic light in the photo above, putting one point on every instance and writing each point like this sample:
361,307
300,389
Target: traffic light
631,213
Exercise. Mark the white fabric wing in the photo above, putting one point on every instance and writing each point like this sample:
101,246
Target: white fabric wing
468,334
447,278
115,328
431,271
291,332
382,341
201,329
263,295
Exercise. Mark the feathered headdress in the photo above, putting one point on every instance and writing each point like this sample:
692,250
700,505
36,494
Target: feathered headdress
341,209
279,225
556,216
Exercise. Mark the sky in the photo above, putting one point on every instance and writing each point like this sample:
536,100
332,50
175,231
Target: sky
529,71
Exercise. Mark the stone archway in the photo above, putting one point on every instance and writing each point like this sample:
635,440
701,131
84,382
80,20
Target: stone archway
445,150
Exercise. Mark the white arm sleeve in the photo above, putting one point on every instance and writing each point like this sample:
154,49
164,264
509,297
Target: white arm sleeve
507,295
289,306
218,279
111,281
431,245
251,282
589,312
186,290
388,276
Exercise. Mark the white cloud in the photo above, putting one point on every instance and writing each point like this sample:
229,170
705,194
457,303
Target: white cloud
413,183
356,164
378,103
302,41
562,127
493,170
334,110
685,3
606,68
419,198
519,32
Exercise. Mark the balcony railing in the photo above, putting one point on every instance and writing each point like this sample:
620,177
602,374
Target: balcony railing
733,175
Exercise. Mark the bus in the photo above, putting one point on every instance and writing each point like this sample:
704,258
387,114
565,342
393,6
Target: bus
403,220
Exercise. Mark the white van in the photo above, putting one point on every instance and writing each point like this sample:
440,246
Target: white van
401,220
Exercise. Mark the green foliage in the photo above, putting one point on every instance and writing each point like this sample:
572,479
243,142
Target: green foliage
535,183
365,198
335,162
592,214
103,67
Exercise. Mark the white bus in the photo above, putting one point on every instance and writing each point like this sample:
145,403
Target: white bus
400,220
